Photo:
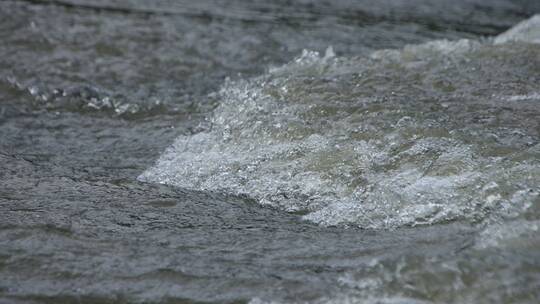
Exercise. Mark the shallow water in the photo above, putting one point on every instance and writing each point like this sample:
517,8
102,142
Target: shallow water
283,152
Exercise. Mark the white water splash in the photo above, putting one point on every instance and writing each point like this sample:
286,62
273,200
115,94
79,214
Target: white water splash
401,138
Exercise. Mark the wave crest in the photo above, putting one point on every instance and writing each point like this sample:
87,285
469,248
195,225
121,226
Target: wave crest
417,136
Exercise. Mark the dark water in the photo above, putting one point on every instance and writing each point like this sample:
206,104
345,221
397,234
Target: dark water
185,152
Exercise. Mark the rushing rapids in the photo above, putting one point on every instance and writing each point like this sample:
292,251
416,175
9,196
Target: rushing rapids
438,132
399,166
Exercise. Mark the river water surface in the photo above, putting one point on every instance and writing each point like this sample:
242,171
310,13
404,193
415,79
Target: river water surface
269,151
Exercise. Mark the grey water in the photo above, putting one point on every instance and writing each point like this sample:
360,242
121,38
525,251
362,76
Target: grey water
269,151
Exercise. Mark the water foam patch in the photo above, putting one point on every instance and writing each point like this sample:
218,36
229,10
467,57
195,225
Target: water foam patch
399,138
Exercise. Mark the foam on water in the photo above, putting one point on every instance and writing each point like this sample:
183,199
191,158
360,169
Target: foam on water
417,136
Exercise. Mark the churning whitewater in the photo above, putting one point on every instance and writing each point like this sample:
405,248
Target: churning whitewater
432,133
401,165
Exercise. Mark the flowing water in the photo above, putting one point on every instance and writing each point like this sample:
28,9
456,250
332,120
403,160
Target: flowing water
269,151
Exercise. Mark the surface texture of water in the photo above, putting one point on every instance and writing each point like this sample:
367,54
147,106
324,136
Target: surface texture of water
212,151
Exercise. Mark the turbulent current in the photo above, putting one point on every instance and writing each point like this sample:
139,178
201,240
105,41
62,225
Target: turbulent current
268,152
432,133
